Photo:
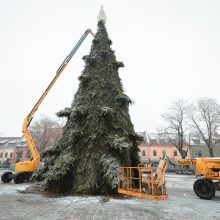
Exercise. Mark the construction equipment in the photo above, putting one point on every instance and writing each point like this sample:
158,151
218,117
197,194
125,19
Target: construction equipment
208,174
25,169
143,182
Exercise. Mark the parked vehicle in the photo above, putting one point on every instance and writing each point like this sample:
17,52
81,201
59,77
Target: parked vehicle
208,174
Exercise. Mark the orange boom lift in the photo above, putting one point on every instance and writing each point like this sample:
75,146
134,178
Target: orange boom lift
23,170
143,181
208,173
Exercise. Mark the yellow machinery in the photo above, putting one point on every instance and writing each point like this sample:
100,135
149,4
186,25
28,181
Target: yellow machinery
143,182
23,170
208,173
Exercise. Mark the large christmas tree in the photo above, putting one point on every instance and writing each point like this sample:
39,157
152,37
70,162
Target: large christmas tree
98,136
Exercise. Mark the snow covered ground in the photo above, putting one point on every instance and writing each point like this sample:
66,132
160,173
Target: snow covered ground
181,204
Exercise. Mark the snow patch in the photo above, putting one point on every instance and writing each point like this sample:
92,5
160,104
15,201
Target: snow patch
77,199
9,189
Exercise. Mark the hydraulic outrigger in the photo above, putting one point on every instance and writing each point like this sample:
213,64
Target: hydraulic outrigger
23,170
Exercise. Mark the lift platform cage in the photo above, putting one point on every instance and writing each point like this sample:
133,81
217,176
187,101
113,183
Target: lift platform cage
143,182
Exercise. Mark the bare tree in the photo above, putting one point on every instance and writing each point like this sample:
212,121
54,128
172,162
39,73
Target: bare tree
176,118
46,132
204,117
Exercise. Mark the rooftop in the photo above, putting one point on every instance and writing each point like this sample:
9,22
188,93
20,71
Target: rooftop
167,139
12,142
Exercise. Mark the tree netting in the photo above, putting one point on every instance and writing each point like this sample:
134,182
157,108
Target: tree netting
98,136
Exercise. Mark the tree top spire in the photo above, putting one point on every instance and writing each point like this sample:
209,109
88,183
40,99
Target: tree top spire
102,16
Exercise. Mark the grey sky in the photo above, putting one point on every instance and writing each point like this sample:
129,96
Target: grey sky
170,49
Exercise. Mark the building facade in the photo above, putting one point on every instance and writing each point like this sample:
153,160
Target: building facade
155,145
198,148
7,145
12,150
143,148
21,152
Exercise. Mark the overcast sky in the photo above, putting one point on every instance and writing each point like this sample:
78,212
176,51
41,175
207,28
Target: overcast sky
170,48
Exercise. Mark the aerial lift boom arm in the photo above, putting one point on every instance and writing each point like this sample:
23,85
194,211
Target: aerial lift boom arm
31,166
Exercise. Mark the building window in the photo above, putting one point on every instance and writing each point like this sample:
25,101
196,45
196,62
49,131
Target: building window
200,153
23,143
1,155
6,154
154,153
175,153
164,152
19,154
143,153
28,155
11,154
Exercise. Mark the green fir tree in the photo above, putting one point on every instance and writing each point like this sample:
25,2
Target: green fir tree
99,135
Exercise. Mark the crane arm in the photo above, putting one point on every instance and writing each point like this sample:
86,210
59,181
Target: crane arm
28,119
58,72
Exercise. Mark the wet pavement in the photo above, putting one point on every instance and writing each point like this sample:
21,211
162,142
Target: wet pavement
181,204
